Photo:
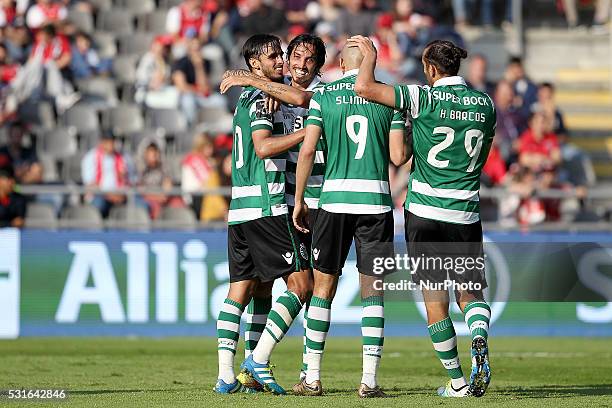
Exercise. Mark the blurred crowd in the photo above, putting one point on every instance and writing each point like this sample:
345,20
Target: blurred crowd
60,59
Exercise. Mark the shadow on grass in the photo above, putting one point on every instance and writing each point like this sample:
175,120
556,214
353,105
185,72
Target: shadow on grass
100,392
556,391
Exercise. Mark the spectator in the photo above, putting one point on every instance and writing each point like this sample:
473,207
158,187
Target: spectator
153,175
412,28
600,19
389,57
8,12
261,18
546,104
322,11
354,19
153,88
524,89
509,122
45,12
12,204
23,160
85,61
539,148
190,78
295,11
8,70
17,40
196,169
191,18
477,77
460,11
108,170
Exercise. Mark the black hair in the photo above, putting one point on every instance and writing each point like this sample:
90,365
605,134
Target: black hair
548,85
515,60
258,44
445,56
49,29
318,45
154,146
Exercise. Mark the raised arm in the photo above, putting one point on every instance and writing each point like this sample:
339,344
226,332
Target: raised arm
284,93
303,171
400,147
366,85
267,145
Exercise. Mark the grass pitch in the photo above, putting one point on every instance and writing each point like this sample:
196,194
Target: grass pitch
527,372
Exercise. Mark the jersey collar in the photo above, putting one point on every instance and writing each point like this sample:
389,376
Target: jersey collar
449,81
350,73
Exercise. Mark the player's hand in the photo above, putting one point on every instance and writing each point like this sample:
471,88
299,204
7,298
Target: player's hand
272,104
300,216
366,46
236,80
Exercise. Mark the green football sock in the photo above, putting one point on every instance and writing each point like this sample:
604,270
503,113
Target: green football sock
444,341
477,317
228,332
256,315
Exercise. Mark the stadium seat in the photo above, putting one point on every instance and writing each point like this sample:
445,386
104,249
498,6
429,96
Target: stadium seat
71,168
82,20
128,218
140,7
39,113
101,5
117,20
156,22
124,119
40,215
82,117
135,43
105,43
169,3
146,135
49,166
99,92
124,69
81,217
176,218
215,120
172,120
59,143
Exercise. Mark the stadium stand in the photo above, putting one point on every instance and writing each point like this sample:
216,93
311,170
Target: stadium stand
136,100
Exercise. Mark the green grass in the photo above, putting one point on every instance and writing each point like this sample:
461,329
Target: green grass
533,372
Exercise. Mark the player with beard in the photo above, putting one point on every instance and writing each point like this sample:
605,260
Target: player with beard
453,127
305,57
262,243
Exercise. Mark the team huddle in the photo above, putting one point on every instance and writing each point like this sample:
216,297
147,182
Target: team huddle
310,175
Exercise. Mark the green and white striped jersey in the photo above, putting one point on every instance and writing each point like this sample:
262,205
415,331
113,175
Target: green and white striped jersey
293,118
356,134
258,186
452,131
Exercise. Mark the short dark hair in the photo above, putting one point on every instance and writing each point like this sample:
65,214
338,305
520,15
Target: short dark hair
257,44
445,56
548,85
318,45
515,60
49,29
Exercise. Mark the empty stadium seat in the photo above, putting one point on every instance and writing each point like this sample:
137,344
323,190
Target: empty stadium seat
118,21
105,43
156,22
82,20
128,218
101,5
82,117
99,92
81,217
176,218
172,120
139,7
135,43
215,119
40,215
124,119
71,168
59,143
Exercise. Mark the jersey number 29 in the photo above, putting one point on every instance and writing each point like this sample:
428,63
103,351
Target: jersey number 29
473,150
